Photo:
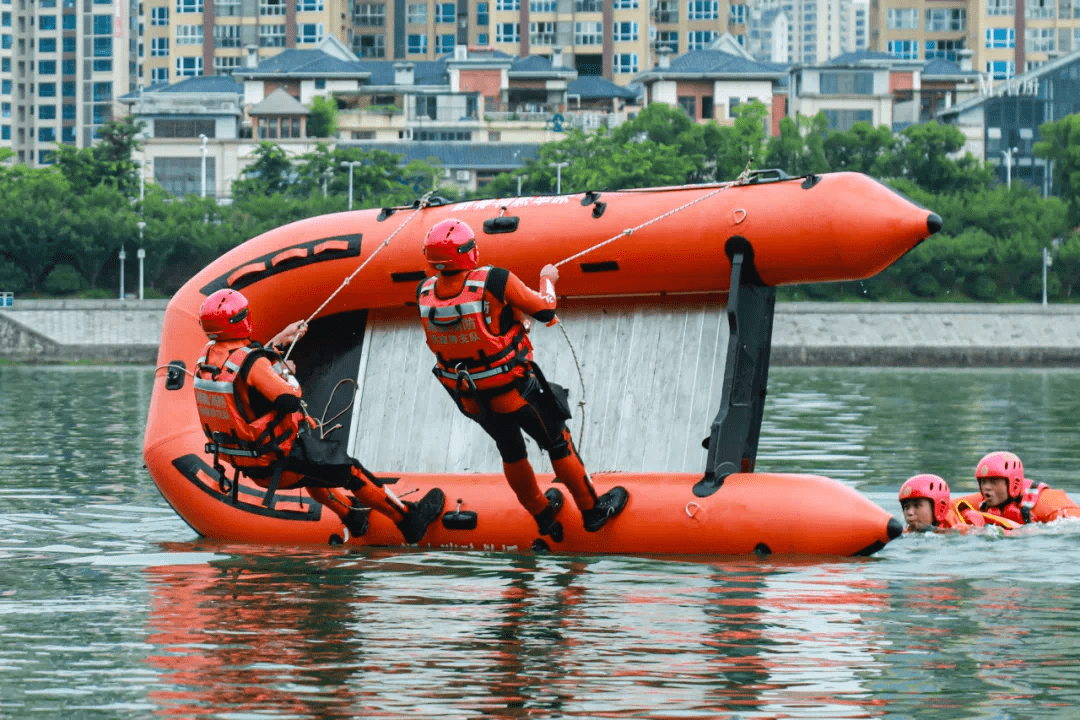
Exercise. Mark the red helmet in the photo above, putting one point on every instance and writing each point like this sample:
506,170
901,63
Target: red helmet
451,245
931,487
1004,465
224,316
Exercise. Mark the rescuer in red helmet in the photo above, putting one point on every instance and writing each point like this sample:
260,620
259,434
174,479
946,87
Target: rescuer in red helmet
249,408
1007,493
473,318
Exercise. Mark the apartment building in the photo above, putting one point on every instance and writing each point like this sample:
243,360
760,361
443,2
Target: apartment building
1005,37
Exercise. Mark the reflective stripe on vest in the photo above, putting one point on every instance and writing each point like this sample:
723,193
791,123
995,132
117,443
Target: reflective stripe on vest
459,330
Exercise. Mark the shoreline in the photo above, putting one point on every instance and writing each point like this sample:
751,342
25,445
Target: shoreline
115,332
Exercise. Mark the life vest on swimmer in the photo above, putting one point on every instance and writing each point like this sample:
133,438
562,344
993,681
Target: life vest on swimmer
973,517
474,332
1039,503
252,437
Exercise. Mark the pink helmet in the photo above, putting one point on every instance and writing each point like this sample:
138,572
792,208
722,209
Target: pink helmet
931,487
224,316
451,245
1004,465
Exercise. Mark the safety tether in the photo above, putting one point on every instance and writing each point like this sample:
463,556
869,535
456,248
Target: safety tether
421,204
743,179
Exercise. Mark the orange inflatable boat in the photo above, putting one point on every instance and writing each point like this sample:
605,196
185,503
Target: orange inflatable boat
668,295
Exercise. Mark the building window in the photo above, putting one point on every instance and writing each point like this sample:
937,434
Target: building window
1040,9
543,6
1000,7
904,49
700,39
626,4
842,120
707,108
689,105
68,134
180,176
69,22
159,16
1001,69
68,44
945,49
159,47
482,13
1000,38
443,135
159,75
507,4
625,31
5,132
227,36
102,66
507,32
737,15
102,91
102,24
625,62
370,15
588,33
46,112
903,18
482,39
703,9
46,134
370,46
5,87
46,67
272,7
5,19
226,8
416,44
189,6
68,89
588,6
446,44
185,128
67,112
416,14
494,136
189,66
838,82
271,36
47,45
444,13
5,109
309,33
225,65
946,20
309,5
189,34
47,22
668,39
1038,39
103,47
541,33
47,89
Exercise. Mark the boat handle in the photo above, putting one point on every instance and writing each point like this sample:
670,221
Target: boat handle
739,218
692,508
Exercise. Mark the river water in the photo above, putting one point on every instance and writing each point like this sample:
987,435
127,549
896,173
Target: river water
110,607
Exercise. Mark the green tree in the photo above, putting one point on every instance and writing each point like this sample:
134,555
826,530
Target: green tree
1060,144
922,154
35,222
800,147
270,174
322,122
108,161
740,144
859,149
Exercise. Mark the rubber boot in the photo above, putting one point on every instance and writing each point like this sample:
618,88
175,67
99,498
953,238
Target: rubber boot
571,471
421,514
522,481
545,519
607,506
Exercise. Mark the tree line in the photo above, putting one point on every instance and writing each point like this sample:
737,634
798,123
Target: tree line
62,227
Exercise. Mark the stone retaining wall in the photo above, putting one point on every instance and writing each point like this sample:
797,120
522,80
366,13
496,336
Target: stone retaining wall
852,334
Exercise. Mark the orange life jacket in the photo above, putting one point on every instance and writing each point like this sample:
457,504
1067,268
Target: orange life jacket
463,333
1040,503
974,517
247,440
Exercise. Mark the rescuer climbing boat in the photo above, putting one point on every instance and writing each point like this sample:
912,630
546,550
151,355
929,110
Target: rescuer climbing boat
667,295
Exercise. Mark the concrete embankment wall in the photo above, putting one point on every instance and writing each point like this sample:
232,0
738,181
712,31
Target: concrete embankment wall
888,334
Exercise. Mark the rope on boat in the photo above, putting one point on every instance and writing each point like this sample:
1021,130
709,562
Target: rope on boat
323,422
420,205
742,179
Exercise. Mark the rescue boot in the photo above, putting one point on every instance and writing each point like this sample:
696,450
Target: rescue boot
421,514
545,519
606,507
356,520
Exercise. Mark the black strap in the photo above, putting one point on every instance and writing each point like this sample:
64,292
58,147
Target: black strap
271,489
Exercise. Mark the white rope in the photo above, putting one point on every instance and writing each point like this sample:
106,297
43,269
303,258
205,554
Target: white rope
421,204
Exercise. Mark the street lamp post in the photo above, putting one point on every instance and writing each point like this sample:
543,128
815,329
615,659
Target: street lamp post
1047,261
202,178
1008,165
351,164
558,175
141,254
123,256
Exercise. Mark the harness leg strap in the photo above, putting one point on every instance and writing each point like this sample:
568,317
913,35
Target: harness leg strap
271,489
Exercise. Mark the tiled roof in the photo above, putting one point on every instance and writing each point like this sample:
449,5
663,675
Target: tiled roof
940,66
716,61
532,63
209,84
279,102
307,62
592,87
458,155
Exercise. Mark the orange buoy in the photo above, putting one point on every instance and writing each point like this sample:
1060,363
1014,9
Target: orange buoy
641,248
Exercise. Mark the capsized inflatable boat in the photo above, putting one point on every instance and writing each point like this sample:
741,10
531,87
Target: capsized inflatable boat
651,282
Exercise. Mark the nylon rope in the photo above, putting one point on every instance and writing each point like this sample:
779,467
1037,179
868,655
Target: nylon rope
742,179
420,205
